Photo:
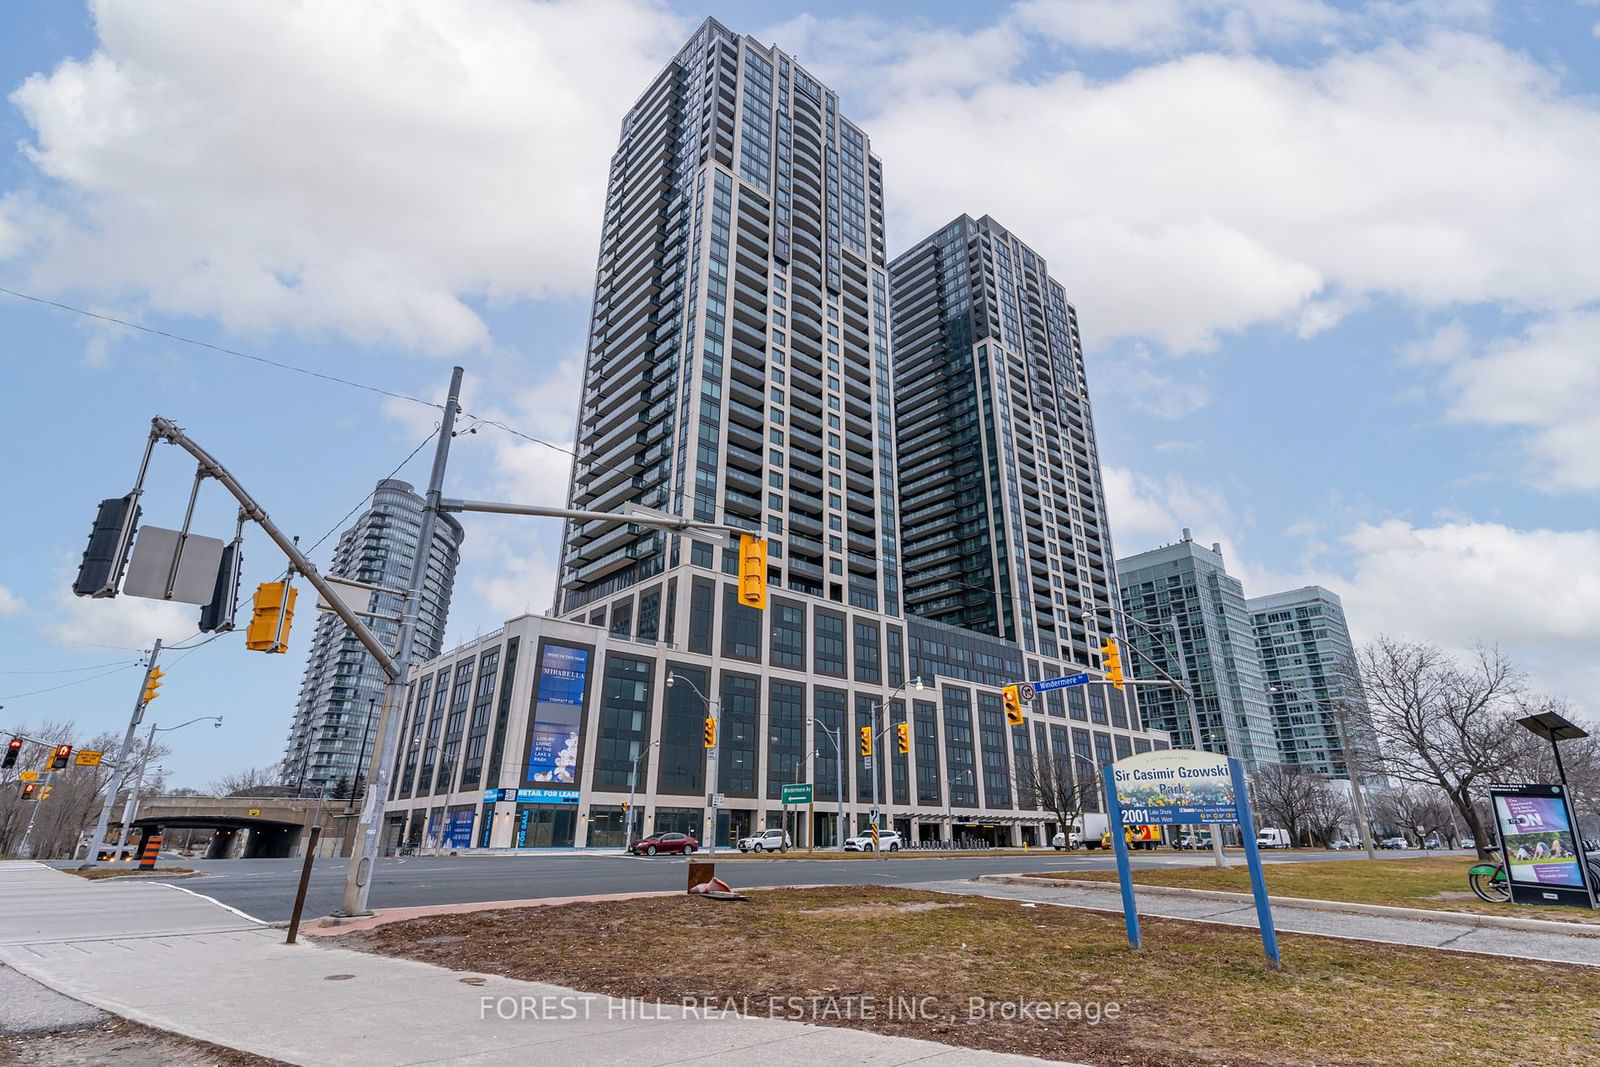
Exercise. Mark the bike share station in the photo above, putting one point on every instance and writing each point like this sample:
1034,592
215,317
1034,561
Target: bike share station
1541,850
1184,787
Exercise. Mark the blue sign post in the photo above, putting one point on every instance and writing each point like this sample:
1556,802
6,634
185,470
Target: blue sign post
1180,787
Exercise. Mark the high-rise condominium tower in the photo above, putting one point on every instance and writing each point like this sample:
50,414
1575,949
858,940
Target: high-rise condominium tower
1003,512
1308,661
738,358
335,725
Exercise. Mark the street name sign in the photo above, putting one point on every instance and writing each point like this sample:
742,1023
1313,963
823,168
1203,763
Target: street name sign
797,794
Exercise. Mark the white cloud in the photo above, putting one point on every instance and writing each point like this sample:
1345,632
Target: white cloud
341,165
1146,511
1208,193
1156,26
126,621
10,603
1546,382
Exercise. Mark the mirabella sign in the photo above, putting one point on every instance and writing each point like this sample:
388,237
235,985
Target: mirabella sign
1179,787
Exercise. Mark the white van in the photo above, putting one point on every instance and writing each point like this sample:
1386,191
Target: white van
1271,838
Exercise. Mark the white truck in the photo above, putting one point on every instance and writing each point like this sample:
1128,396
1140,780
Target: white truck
1269,837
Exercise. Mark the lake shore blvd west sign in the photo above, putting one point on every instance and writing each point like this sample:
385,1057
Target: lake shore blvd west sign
1175,787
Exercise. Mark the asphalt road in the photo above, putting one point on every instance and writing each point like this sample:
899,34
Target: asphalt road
265,888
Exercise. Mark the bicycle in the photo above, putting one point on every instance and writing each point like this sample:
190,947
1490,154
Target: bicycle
1489,882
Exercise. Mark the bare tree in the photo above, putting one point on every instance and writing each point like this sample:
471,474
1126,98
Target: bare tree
1063,786
1417,811
248,782
1327,813
76,793
1441,723
1285,795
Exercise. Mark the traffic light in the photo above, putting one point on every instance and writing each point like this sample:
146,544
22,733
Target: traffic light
58,758
1111,662
753,572
1012,698
711,732
272,599
902,737
28,791
218,615
106,556
152,682
44,793
866,742
9,760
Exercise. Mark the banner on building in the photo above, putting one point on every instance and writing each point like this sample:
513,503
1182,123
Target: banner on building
557,712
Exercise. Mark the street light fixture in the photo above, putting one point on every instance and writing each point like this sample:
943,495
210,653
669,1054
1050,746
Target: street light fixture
714,710
838,789
633,783
915,682
1356,799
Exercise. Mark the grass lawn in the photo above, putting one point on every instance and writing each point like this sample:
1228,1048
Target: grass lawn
95,874
1197,994
1439,883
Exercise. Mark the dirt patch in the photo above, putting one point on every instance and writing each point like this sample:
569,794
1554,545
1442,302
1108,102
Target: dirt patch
1059,983
884,908
121,1042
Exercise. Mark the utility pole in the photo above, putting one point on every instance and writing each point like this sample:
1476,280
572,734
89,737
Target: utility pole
368,844
120,771
132,806
1194,722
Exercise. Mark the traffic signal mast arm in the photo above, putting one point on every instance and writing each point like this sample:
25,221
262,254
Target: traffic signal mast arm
168,431
640,516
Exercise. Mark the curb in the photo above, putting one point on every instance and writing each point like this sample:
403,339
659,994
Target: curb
1452,918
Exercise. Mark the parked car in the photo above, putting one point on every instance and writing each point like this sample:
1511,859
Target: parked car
1065,841
1467,842
649,846
888,841
1393,842
1271,837
1194,841
1339,844
766,841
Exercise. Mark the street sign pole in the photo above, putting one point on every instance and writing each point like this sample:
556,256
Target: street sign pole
1252,855
1130,908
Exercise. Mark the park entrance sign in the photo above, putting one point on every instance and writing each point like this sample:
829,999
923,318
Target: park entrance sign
1180,787
1175,787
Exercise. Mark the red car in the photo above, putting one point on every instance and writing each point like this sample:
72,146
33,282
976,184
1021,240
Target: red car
649,846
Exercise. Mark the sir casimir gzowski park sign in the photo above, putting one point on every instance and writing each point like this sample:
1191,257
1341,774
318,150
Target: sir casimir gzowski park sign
1175,787
1178,787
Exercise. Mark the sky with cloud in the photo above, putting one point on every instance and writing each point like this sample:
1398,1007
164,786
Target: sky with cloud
1334,263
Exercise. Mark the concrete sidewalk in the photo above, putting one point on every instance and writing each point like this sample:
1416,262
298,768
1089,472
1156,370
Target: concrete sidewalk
179,962
1442,932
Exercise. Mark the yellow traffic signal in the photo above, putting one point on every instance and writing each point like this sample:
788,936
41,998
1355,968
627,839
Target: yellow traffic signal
711,732
753,572
152,683
1012,698
902,737
864,744
58,758
44,793
1111,660
272,599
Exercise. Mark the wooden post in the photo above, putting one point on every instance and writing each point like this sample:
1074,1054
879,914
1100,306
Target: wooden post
305,880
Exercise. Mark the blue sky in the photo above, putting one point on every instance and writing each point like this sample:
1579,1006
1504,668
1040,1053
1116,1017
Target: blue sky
1334,265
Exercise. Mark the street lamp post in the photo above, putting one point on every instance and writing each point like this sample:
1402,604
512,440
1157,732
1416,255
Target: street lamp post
714,708
131,810
950,803
633,785
838,791
1356,799
877,738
